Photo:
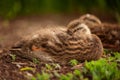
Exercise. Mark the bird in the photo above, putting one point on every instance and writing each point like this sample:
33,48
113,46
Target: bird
108,33
61,44
96,26
93,22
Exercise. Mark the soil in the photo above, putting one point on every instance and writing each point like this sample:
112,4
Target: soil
12,31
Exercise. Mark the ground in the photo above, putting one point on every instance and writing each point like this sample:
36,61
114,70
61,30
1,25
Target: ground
16,68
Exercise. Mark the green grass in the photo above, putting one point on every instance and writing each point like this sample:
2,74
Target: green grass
73,62
102,69
42,76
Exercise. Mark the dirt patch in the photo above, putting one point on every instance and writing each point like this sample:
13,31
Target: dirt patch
12,69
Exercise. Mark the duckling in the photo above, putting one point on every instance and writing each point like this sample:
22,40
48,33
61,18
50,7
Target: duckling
82,45
61,44
107,32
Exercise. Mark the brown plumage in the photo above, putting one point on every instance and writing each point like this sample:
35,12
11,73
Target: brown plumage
61,44
89,18
82,44
110,36
107,32
37,45
91,21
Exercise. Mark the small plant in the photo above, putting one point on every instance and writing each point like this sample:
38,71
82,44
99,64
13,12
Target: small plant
73,62
103,70
33,78
77,75
117,56
68,76
56,66
77,72
48,66
42,76
13,57
36,61
108,52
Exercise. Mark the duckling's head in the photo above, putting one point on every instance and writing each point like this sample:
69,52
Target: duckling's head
77,28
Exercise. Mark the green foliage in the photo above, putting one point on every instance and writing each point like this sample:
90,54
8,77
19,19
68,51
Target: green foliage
52,66
117,56
73,62
68,76
42,76
33,78
77,72
13,57
12,8
36,61
49,67
103,70
76,75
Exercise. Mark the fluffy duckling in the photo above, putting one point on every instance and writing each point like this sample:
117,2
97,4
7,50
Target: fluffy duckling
61,44
91,21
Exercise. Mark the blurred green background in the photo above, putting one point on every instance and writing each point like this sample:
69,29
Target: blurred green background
11,8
